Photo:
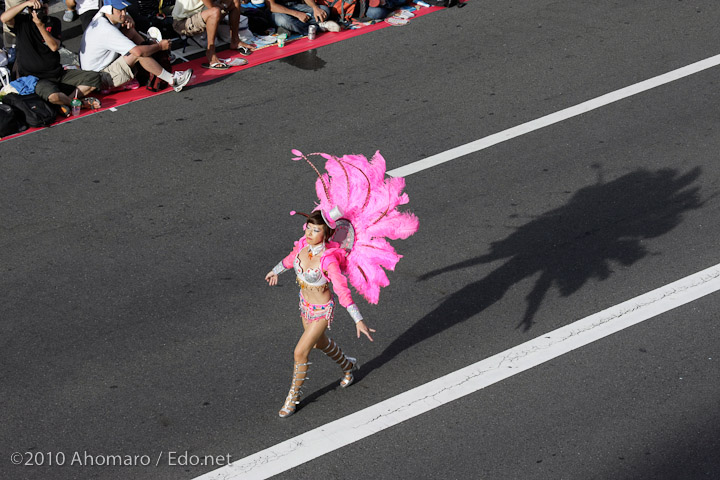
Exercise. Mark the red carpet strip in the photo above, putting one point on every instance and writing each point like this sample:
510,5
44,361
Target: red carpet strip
201,75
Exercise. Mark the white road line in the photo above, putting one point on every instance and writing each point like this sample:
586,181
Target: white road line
553,118
373,419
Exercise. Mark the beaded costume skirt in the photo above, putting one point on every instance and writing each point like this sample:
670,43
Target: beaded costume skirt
311,312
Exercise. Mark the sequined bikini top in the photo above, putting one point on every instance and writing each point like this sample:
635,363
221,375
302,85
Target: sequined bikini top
312,277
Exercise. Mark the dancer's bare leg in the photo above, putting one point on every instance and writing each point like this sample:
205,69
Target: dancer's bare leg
313,332
333,350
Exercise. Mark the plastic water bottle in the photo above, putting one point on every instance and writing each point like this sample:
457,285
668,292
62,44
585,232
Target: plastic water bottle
76,106
11,54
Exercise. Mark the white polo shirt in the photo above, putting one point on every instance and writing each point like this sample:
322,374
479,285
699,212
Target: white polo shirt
102,42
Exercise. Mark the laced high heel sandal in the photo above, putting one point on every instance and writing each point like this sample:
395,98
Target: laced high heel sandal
348,377
293,398
348,364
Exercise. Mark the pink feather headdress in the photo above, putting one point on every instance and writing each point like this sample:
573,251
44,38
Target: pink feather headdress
357,200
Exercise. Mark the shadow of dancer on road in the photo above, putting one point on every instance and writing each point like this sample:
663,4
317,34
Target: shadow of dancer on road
601,224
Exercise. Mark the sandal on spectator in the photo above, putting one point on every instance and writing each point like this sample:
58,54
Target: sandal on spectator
234,62
215,66
244,51
91,103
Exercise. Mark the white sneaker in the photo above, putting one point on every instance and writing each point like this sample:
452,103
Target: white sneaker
329,26
181,78
68,16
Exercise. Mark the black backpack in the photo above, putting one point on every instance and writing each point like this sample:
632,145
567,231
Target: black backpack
151,81
9,122
155,83
34,111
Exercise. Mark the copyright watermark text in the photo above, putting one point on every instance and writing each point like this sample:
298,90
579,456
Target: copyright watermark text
88,459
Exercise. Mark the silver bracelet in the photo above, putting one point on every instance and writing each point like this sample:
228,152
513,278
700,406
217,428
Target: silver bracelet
354,312
278,269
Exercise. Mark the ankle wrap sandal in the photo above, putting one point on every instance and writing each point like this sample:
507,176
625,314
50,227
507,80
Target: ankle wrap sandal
348,368
293,398
348,364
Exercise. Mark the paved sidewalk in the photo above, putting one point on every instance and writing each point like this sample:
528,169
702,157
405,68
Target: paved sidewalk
57,6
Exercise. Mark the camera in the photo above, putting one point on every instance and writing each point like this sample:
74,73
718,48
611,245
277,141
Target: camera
39,11
28,10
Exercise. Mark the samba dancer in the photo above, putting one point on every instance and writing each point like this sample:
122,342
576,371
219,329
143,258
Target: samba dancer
344,239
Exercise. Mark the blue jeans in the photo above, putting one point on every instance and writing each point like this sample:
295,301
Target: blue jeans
378,13
288,22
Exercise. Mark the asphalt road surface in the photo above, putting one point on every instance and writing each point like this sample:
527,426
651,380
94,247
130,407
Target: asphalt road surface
134,319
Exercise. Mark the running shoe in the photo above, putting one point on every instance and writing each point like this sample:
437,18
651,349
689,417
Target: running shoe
181,78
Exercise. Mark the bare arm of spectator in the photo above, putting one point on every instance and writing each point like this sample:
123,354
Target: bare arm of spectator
129,23
8,16
49,40
128,29
277,8
148,50
319,14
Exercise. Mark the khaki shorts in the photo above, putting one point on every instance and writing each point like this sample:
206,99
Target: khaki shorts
190,26
117,73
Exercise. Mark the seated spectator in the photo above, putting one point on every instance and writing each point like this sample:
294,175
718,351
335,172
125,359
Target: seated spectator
38,42
191,17
259,17
111,45
151,13
297,16
379,9
86,9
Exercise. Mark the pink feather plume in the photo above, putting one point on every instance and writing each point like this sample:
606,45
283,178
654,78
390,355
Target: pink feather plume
369,201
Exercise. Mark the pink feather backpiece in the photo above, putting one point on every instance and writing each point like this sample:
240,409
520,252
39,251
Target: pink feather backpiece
369,201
